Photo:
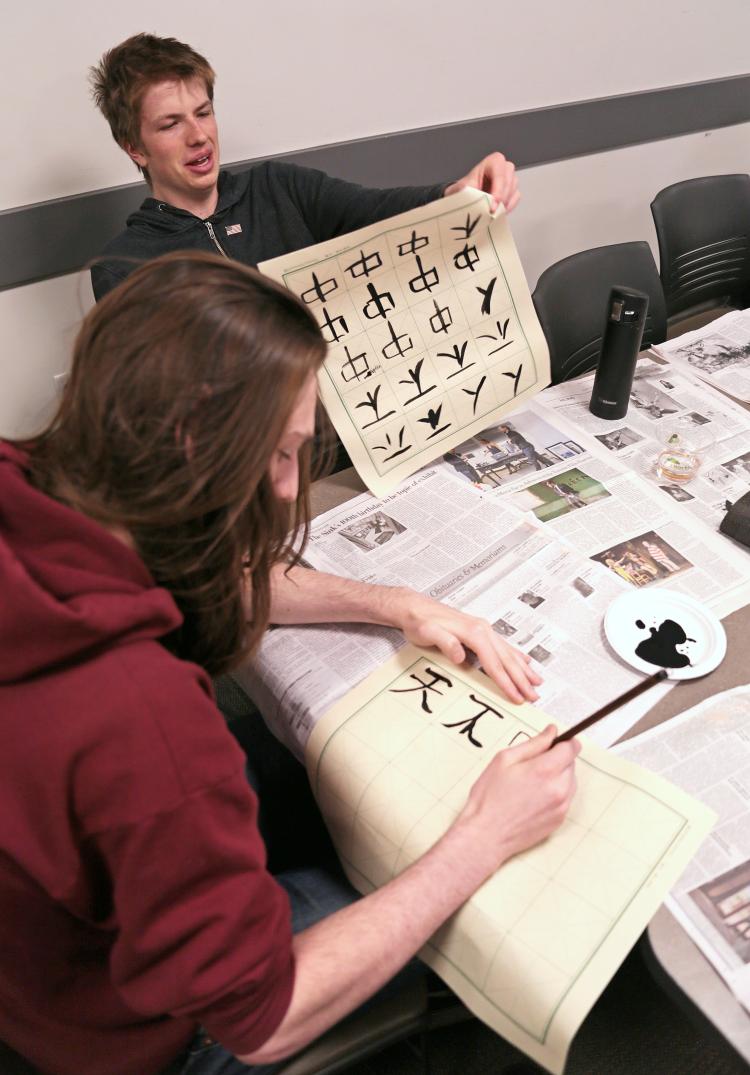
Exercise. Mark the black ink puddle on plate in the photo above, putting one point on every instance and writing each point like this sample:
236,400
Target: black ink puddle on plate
661,647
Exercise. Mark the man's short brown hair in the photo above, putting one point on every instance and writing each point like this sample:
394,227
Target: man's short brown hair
120,79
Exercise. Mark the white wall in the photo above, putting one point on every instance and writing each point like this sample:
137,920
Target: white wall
294,74
38,323
280,89
605,198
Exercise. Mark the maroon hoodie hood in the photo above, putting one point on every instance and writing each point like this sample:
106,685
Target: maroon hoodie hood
57,605
134,900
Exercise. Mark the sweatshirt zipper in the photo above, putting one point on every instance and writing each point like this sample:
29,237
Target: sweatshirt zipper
216,242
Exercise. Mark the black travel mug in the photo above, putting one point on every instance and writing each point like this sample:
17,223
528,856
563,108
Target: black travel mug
623,332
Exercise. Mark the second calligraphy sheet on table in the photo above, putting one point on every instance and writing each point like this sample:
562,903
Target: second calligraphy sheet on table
392,765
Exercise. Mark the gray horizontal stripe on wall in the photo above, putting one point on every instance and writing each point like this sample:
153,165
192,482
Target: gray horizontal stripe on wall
63,235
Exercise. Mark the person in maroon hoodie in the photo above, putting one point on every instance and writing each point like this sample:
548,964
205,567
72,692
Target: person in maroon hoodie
143,548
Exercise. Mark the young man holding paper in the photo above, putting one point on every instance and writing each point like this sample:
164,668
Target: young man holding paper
157,96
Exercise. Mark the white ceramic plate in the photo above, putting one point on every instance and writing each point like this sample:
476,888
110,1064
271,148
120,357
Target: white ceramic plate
655,628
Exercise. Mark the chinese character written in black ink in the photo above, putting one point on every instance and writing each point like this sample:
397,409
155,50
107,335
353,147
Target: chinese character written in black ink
375,303
356,368
366,264
515,377
432,419
319,292
475,394
425,279
503,330
441,320
431,685
372,401
395,347
416,242
467,726
486,293
415,378
330,323
458,354
467,228
466,258
398,445
519,737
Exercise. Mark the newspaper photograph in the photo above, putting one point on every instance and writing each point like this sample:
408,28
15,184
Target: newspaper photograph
706,752
505,456
718,353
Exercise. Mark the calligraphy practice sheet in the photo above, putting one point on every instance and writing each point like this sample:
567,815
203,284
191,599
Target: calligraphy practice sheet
431,332
392,765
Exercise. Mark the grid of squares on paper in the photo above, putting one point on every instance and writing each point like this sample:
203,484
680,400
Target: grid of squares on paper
397,353
547,910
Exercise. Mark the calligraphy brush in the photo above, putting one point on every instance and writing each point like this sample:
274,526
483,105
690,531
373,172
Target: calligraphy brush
605,710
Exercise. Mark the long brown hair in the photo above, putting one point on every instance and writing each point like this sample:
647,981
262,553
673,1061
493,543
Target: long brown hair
182,382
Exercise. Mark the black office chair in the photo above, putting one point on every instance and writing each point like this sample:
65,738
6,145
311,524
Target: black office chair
703,228
571,302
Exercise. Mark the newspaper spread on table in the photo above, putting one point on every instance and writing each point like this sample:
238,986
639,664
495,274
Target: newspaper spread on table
719,353
706,751
668,399
472,552
534,525
391,767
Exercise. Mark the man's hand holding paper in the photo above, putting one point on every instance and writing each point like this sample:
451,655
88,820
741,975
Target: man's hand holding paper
496,176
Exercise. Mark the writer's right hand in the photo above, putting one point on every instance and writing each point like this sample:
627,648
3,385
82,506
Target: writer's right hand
521,797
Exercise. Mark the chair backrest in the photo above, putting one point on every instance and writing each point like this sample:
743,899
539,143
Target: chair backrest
703,228
571,300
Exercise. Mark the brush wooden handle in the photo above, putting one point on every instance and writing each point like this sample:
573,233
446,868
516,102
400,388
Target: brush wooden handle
610,707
